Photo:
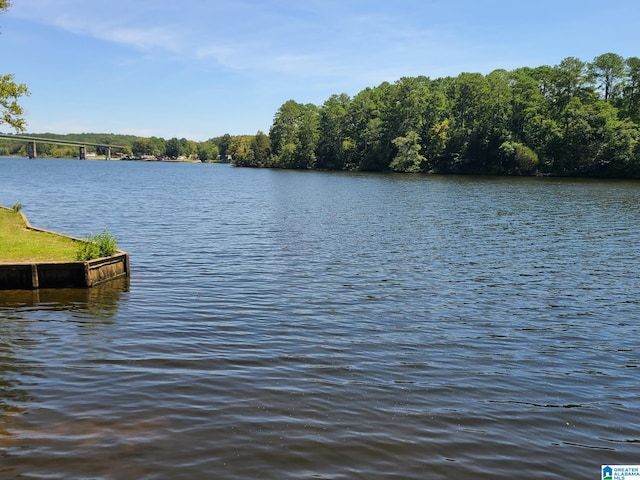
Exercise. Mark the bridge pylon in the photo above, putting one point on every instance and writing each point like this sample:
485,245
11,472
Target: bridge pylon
31,150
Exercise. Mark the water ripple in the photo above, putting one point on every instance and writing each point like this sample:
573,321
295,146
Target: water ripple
333,326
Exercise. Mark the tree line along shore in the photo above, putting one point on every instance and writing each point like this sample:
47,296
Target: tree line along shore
576,118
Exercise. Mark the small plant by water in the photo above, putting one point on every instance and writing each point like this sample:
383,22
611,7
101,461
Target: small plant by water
17,207
101,245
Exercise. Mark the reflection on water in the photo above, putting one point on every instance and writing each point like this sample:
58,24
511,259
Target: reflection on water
21,336
13,340
101,301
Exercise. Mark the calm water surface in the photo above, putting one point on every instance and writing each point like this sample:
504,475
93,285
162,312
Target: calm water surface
288,325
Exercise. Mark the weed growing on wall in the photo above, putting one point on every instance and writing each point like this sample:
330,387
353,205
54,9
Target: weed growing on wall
101,245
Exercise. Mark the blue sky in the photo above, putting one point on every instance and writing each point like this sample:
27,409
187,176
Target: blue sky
202,68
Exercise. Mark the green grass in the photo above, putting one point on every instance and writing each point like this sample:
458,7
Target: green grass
18,244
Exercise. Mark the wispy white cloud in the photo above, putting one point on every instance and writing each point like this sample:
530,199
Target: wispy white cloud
183,66
143,39
84,22
315,39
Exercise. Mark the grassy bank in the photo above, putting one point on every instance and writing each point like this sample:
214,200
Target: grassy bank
18,244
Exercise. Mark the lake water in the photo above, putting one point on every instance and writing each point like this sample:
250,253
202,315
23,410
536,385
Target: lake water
290,325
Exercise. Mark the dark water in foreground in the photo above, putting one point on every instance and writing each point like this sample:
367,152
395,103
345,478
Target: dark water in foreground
288,325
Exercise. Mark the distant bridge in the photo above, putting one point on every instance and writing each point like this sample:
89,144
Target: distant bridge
82,146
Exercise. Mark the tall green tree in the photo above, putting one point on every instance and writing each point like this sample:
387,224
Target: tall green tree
417,120
333,147
629,104
527,104
496,113
294,135
223,145
436,126
172,148
569,79
11,113
608,72
595,141
468,93
409,158
207,151
158,146
403,120
240,151
142,146
188,148
261,147
370,140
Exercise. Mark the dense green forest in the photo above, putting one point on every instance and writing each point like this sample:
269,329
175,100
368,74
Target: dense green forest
573,119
